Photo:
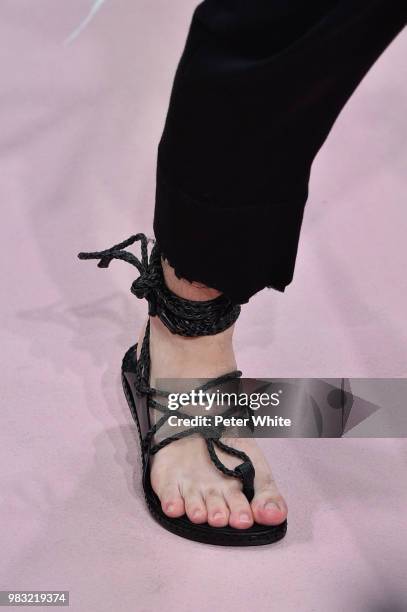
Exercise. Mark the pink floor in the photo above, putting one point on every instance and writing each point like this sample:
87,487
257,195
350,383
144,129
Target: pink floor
79,129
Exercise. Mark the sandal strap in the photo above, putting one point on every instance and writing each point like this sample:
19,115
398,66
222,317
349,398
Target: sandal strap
184,317
244,471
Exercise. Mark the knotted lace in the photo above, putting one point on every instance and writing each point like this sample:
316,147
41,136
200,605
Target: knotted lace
181,316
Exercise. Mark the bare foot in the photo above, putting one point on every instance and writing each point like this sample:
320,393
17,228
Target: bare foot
182,474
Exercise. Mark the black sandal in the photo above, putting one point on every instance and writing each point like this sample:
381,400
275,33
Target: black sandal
187,318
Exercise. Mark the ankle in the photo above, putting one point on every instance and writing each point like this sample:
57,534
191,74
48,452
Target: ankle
195,291
220,342
187,289
176,356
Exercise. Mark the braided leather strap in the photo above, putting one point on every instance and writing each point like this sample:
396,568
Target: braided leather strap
181,316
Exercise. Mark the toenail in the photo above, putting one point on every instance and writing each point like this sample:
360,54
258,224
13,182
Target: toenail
218,515
244,518
197,513
271,506
170,508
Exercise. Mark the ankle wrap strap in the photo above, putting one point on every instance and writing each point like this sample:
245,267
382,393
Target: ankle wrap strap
180,316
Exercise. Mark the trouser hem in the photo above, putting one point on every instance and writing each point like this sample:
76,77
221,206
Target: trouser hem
236,250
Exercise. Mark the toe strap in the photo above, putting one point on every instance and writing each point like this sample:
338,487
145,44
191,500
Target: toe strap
246,472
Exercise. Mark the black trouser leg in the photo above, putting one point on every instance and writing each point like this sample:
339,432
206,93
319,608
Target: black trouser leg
257,90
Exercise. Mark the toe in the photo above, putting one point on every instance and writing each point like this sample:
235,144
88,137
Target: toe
217,510
171,501
241,516
268,507
195,507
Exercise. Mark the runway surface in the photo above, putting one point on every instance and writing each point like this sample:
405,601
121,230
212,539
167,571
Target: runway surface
79,128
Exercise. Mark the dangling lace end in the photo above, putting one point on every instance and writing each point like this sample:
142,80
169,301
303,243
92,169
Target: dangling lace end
107,255
181,316
149,281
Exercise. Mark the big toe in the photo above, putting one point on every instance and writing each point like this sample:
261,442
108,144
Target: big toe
269,507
